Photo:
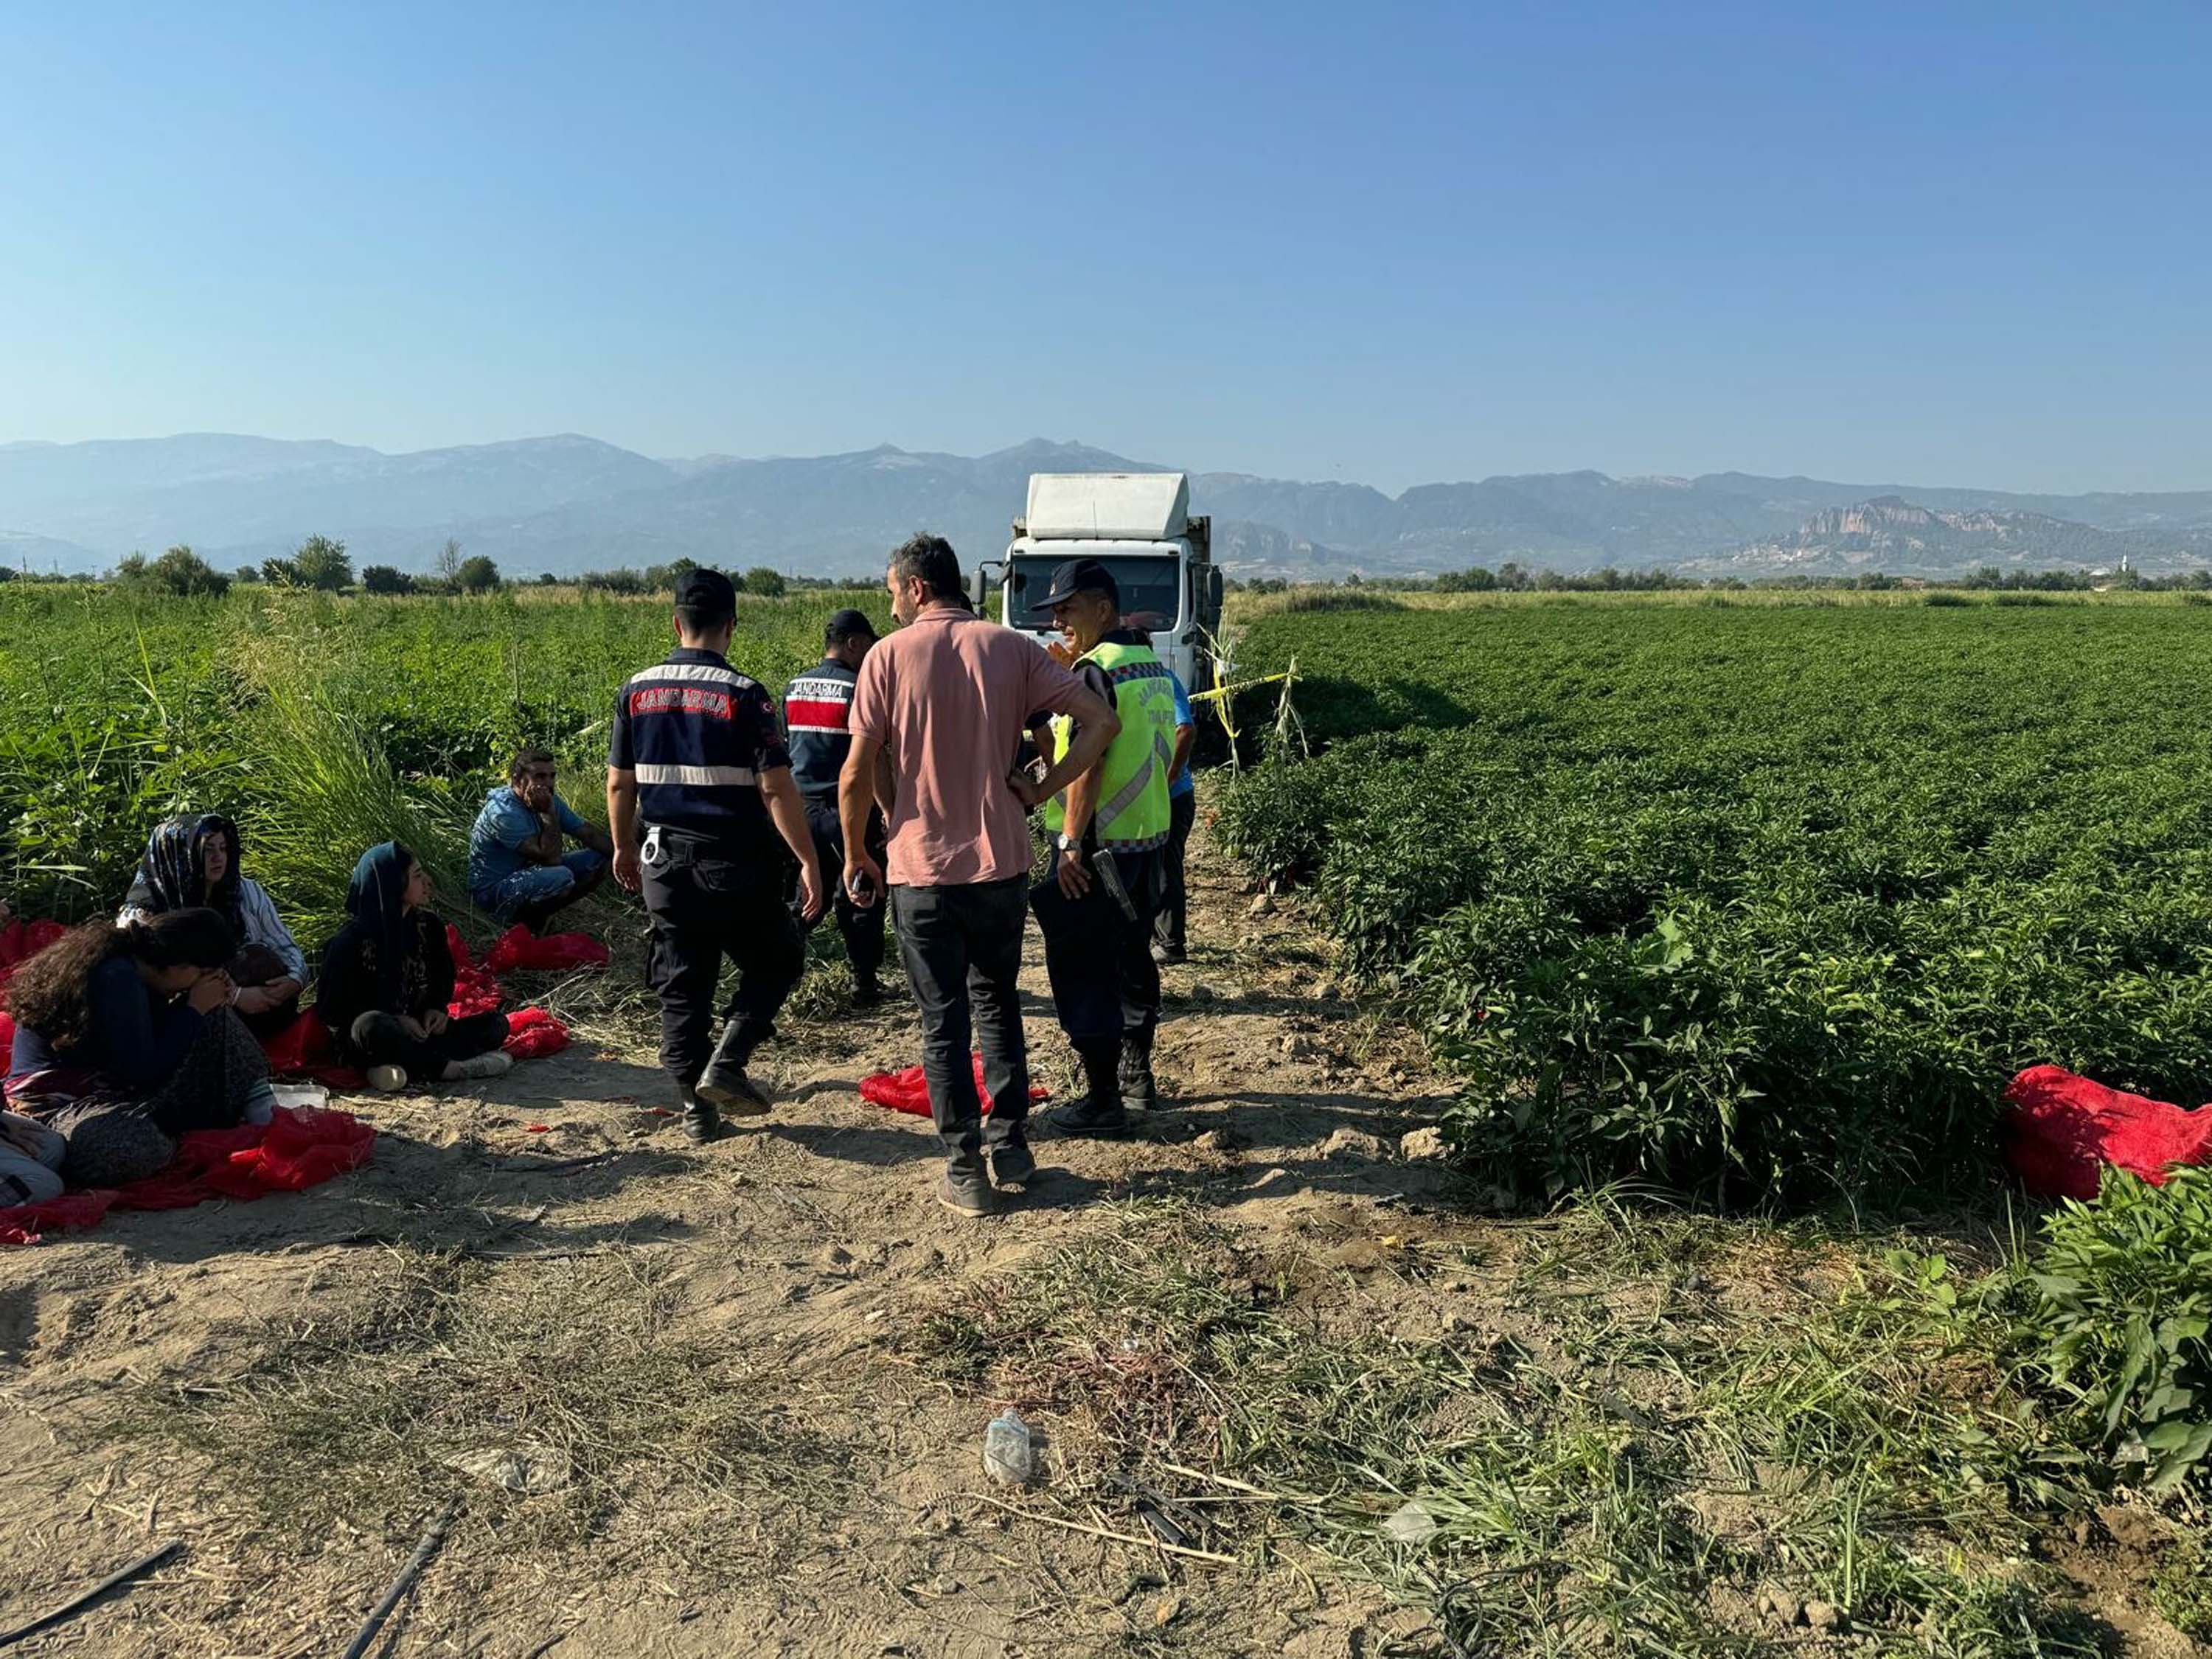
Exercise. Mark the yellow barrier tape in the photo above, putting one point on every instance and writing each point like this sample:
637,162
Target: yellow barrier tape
1220,691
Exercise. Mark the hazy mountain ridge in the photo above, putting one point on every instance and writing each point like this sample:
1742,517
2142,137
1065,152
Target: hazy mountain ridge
568,503
1906,538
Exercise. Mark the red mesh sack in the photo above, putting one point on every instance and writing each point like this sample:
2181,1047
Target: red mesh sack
555,953
293,1151
200,1170
908,1091
23,1223
533,1034
298,1048
303,1149
21,941
304,1049
180,1187
2063,1131
476,990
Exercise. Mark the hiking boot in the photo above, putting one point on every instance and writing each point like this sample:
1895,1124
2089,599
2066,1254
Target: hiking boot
387,1079
1140,1093
1088,1119
1100,1112
734,1092
702,1122
497,1063
726,1084
867,993
965,1191
1169,955
1013,1166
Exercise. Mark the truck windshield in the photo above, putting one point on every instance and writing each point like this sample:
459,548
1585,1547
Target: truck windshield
1150,599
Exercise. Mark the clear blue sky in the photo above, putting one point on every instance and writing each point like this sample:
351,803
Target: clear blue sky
1879,242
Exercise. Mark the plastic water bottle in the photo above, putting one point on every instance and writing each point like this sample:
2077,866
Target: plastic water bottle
1009,1452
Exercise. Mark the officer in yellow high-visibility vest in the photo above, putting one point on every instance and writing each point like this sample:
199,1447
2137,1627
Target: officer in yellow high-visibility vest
1096,905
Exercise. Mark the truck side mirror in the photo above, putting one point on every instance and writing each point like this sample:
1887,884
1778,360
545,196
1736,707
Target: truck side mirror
1213,591
979,582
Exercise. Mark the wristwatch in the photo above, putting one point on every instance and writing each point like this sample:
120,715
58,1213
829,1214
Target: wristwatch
1066,844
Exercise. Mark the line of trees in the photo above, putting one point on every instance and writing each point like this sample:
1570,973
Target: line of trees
318,563
768,583
321,564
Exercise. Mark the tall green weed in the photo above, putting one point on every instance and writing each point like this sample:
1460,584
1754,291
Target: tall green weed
2119,1303
324,723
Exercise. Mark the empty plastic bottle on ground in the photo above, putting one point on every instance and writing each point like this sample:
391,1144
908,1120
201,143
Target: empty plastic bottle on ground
1009,1451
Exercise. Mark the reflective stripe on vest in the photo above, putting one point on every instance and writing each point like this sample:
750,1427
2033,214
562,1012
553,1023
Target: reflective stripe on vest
1132,812
696,777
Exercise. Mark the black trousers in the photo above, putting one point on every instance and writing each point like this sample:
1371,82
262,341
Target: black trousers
962,950
1169,927
862,930
1105,985
379,1039
707,903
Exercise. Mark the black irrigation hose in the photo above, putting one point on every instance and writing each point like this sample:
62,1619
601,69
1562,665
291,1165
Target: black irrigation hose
1477,1646
408,1574
144,1564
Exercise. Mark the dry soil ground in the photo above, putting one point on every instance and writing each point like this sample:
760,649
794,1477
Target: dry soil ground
711,1402
709,1354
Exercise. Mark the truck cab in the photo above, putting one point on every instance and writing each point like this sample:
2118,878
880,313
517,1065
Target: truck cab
1139,526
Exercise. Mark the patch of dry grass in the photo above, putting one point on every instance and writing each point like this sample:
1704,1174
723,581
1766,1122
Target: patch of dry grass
1628,1457
656,1444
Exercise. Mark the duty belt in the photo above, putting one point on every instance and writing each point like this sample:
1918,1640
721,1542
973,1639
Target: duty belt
664,841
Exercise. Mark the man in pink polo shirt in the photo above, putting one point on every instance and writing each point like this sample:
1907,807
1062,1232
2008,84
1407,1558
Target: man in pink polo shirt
941,707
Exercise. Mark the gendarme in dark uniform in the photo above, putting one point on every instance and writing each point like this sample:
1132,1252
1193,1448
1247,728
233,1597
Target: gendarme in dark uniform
698,790
817,713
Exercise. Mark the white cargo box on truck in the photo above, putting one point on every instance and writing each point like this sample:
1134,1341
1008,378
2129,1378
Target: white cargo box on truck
1139,526
1107,506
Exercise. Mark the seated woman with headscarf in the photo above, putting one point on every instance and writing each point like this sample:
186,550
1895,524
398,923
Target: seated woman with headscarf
124,1040
194,860
387,976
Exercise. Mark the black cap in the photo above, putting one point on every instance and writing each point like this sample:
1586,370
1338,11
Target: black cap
1078,576
709,591
848,625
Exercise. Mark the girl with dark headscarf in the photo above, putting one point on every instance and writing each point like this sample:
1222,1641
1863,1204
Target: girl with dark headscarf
387,976
194,860
124,1040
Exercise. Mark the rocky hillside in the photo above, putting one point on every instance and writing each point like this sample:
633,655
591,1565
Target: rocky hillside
1904,537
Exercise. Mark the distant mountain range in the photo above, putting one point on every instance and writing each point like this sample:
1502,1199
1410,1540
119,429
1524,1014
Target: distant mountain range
1892,534
568,504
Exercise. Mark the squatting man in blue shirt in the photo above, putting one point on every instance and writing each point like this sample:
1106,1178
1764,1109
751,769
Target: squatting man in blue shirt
517,871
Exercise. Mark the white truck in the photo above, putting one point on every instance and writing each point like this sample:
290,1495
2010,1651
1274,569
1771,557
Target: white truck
1139,526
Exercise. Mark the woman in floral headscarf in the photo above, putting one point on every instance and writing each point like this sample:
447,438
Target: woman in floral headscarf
194,860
